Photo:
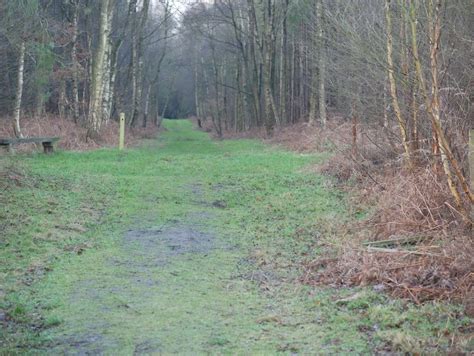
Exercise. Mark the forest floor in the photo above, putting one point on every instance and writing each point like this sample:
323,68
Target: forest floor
186,245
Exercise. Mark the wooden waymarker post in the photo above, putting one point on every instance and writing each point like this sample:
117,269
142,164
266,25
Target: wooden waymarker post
122,132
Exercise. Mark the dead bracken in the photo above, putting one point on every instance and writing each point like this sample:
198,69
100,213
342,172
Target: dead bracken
412,240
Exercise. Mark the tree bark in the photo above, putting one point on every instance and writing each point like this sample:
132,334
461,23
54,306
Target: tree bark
393,84
292,82
267,51
216,117
284,66
243,77
254,45
147,105
316,48
322,63
197,101
75,64
156,80
19,90
137,62
107,70
96,95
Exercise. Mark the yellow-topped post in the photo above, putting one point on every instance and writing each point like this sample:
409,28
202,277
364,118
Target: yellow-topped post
122,132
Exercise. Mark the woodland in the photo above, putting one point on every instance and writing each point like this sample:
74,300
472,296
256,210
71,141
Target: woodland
381,91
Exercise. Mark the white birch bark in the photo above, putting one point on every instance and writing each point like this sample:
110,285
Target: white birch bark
96,95
19,90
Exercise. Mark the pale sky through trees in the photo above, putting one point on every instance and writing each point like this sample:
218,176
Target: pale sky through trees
180,5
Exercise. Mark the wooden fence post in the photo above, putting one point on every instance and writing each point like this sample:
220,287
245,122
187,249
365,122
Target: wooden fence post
122,132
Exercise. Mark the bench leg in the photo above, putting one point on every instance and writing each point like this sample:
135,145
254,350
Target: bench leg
8,148
48,147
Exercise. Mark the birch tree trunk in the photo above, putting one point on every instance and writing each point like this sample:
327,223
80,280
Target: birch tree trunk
75,64
156,80
216,117
243,77
62,99
316,47
137,62
147,105
284,66
96,91
292,81
267,52
301,90
113,75
19,90
132,11
393,84
256,64
322,62
315,55
197,101
107,69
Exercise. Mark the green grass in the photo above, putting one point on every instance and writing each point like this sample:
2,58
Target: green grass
69,283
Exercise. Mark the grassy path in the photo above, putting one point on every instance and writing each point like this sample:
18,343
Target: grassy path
184,245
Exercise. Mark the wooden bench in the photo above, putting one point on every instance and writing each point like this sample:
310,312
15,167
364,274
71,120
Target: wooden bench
47,142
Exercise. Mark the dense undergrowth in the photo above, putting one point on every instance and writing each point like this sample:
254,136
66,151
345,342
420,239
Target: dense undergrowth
408,235
66,215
